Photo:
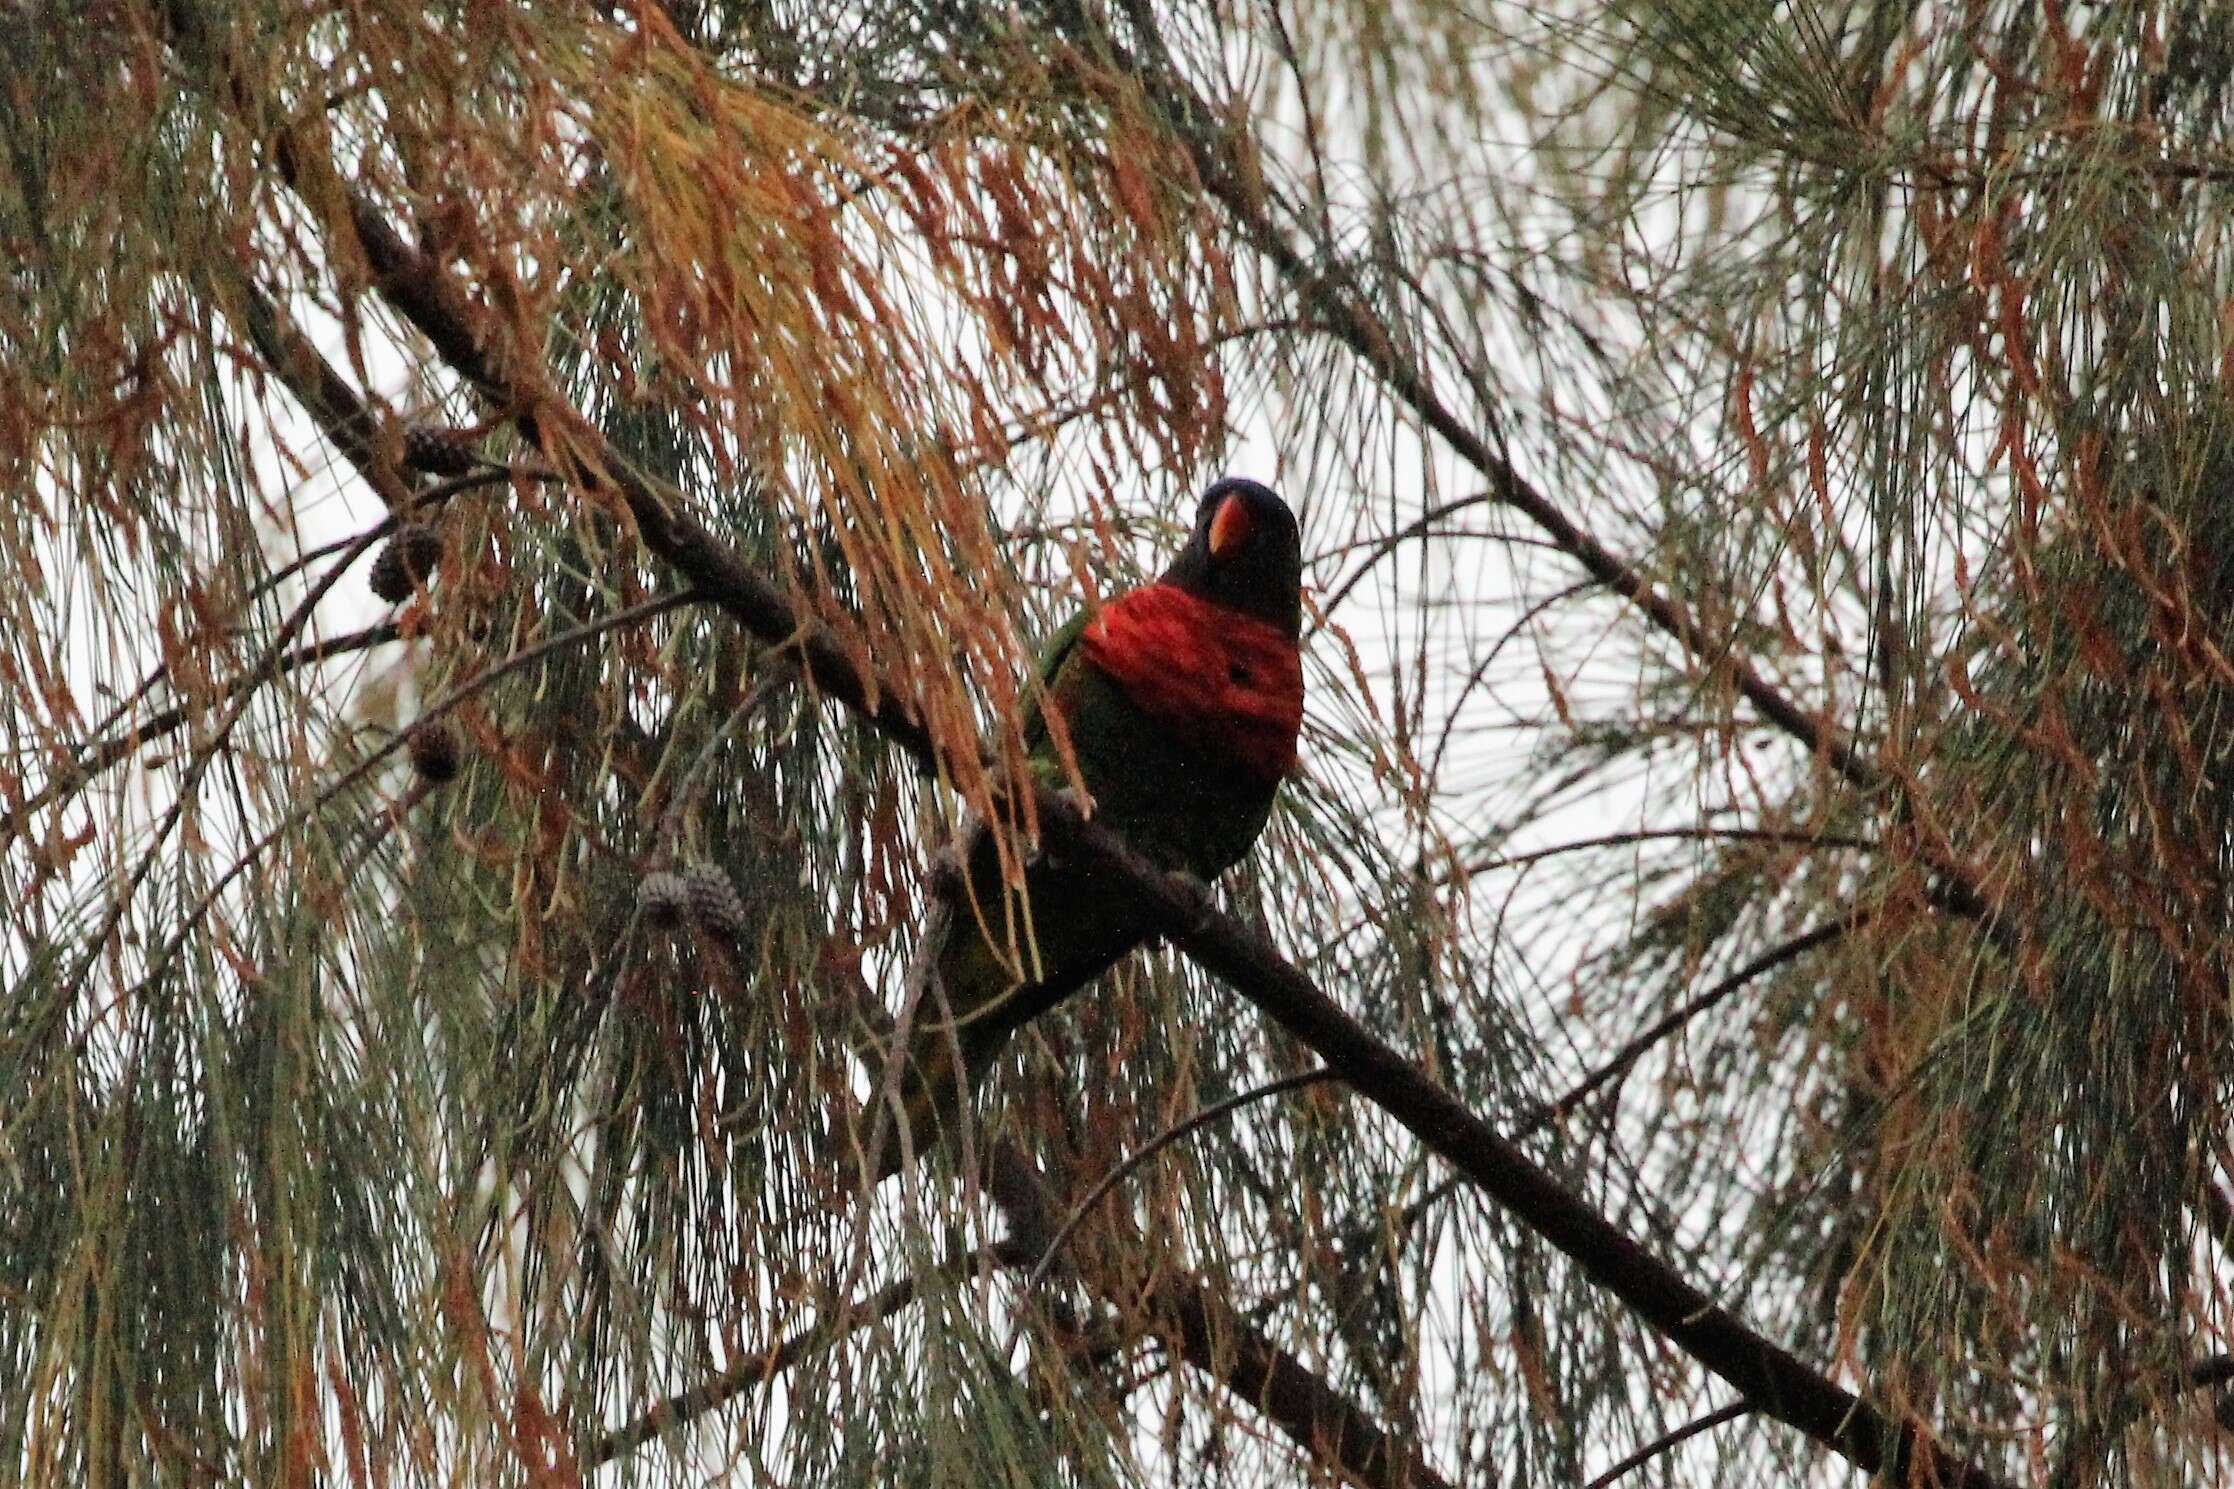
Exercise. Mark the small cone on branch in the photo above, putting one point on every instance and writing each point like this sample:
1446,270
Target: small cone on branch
715,903
664,898
406,561
437,750
433,450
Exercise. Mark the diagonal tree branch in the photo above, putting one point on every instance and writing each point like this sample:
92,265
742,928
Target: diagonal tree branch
353,422
1327,1424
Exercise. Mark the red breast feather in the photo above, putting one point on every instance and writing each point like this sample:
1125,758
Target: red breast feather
1220,679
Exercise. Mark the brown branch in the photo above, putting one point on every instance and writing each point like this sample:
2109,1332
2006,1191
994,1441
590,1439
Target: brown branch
1668,1441
757,1369
1328,1425
354,423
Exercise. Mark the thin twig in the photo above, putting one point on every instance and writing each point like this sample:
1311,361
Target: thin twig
1564,1106
1790,836
220,736
109,752
1669,1441
192,920
1157,1144
1638,1047
757,1369
1383,547
117,744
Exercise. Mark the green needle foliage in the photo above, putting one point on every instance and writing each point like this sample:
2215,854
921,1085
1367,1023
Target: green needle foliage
1765,473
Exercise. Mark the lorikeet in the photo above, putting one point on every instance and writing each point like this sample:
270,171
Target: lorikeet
1182,700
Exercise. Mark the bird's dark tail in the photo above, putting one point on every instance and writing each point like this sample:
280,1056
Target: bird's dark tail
973,1001
952,1035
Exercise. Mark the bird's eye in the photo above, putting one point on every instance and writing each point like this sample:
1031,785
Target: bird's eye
1235,672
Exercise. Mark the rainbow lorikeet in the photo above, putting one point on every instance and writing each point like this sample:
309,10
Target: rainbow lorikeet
1181,700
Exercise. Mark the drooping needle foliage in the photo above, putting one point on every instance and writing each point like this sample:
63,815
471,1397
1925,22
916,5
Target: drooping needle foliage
1767,483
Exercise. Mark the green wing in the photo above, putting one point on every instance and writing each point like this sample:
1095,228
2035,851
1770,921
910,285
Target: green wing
1060,648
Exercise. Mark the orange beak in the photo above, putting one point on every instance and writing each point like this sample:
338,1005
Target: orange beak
1229,527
